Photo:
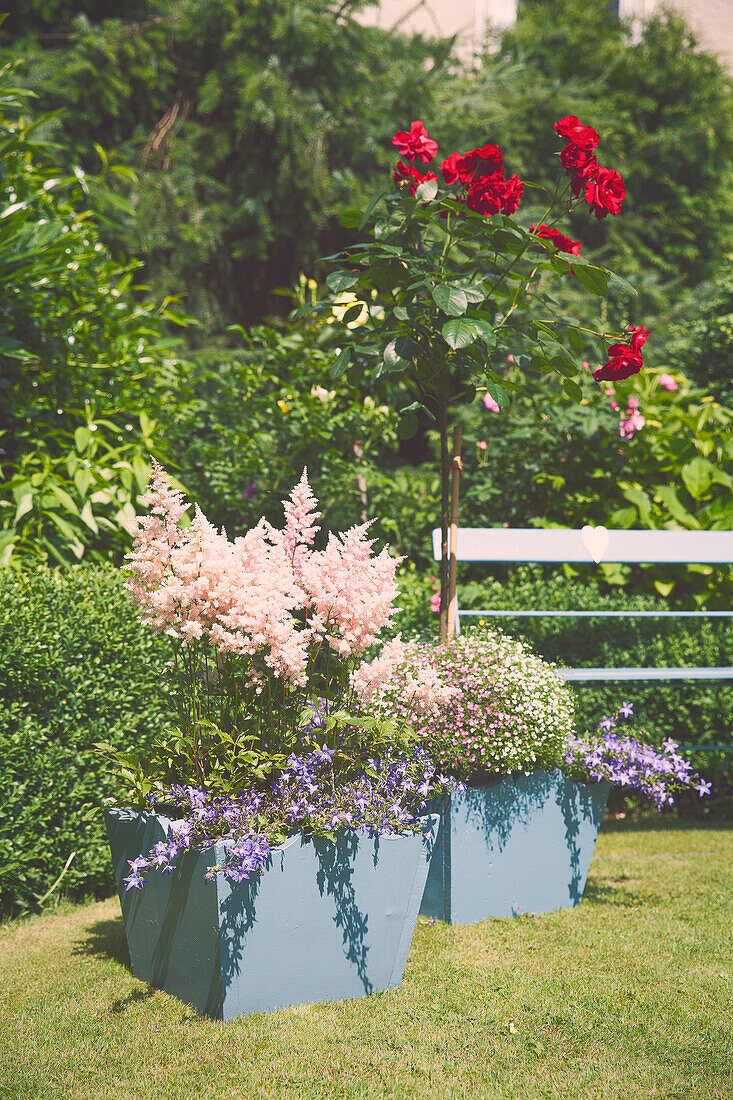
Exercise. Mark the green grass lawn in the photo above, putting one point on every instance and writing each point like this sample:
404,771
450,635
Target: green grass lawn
628,996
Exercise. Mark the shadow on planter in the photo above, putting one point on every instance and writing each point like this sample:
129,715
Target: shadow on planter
522,844
327,920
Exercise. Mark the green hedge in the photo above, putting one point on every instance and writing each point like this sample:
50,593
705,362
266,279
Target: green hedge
75,668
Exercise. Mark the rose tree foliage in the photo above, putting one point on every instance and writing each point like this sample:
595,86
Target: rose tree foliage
270,642
452,281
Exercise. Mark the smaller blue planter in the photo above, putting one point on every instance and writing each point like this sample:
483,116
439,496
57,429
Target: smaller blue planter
520,845
325,921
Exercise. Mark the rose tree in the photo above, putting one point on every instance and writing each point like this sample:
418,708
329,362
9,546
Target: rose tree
450,280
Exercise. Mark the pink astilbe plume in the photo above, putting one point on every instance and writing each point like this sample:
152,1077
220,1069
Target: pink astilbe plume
399,669
350,591
257,602
157,537
300,515
370,676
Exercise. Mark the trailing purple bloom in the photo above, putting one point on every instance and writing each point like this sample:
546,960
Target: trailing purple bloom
391,797
626,762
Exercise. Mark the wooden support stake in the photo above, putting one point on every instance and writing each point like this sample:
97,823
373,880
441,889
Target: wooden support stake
456,467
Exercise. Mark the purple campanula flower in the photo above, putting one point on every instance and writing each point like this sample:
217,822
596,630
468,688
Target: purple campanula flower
626,709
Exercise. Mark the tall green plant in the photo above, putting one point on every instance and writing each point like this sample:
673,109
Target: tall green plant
82,354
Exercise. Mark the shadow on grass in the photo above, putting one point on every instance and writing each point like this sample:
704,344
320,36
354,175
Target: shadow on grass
662,823
612,893
107,938
121,1004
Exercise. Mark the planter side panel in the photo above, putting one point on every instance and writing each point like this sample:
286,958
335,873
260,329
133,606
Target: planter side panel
326,921
522,846
171,924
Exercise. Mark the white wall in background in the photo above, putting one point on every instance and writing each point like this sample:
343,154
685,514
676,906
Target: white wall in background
712,20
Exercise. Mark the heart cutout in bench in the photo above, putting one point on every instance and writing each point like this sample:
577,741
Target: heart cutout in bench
595,540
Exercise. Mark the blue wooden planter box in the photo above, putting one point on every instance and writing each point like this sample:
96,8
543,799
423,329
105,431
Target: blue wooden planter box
520,845
325,921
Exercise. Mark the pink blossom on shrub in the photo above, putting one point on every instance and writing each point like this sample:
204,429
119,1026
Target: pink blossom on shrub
490,404
667,382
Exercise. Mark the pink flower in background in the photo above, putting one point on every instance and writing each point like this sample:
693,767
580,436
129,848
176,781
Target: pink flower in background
585,365
633,402
482,444
490,404
435,603
634,423
609,392
667,382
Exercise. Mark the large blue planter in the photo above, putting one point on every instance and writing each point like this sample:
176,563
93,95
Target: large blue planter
520,845
325,921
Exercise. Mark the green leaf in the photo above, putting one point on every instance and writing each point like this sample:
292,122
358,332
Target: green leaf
485,330
698,475
496,391
81,439
341,280
400,313
622,284
450,299
63,498
393,361
668,496
88,516
573,390
350,218
459,333
593,279
353,313
341,363
24,506
642,502
427,190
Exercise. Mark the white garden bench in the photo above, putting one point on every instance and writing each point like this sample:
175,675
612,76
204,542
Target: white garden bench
515,544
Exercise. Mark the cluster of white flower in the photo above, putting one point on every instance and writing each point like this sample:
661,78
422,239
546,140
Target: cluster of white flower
509,712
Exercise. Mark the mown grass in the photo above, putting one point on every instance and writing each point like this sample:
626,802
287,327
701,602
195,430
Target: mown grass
629,996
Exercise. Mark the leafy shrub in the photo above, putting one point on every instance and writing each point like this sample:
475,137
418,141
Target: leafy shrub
76,668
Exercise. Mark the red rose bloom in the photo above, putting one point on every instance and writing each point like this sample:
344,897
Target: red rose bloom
623,361
450,168
405,172
605,192
485,161
512,195
414,144
487,194
494,194
584,137
560,241
580,165
637,337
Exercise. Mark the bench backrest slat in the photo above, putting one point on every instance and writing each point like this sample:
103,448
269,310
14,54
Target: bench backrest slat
516,544
505,544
